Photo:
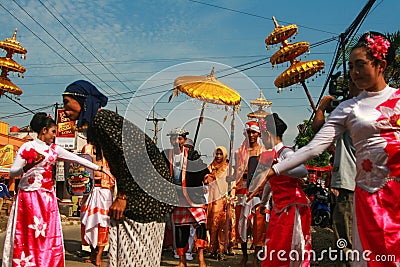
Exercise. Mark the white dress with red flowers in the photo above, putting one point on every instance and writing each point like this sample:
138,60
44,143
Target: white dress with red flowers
373,120
34,236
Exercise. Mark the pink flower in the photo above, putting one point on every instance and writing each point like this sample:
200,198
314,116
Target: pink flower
378,46
29,155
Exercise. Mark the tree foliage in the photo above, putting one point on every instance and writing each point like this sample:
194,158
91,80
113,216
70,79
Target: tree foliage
303,138
392,71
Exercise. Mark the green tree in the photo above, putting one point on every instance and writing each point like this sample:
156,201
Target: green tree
393,70
303,138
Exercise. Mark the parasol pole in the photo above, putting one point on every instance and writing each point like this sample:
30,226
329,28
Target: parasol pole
228,204
199,122
231,143
309,96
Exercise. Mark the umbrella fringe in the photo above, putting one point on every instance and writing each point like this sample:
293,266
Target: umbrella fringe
176,91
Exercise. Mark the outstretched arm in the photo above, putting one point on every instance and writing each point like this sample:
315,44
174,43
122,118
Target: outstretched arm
69,156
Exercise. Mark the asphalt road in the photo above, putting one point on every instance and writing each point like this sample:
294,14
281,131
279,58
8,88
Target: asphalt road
72,244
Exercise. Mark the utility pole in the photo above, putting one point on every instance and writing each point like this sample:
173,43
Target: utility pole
155,121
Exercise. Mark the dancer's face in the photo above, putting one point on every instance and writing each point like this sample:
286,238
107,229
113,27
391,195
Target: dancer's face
48,135
364,73
71,107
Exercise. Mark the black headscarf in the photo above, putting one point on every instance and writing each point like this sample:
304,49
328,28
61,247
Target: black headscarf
89,98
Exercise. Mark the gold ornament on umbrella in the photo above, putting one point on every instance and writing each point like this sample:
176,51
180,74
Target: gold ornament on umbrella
280,33
289,52
298,71
11,46
261,102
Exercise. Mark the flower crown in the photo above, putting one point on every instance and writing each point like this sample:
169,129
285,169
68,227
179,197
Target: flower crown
378,46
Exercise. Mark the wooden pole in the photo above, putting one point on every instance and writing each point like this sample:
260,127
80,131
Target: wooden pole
198,123
309,96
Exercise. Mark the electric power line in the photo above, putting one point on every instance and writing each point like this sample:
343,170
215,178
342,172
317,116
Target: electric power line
254,15
69,52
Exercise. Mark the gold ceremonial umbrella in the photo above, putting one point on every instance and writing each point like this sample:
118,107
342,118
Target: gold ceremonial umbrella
258,114
298,72
11,46
11,65
209,90
289,52
261,102
280,33
7,86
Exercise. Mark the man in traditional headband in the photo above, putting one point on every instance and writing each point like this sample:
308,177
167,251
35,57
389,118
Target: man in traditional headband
247,214
140,171
174,157
188,172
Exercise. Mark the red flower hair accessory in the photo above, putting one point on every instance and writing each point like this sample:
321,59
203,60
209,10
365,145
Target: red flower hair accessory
378,46
263,125
29,155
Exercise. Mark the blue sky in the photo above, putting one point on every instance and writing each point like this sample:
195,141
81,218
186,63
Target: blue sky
120,45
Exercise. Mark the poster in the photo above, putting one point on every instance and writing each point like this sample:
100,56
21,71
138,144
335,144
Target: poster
65,131
6,154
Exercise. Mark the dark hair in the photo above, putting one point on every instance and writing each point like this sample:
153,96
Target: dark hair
362,42
275,124
40,120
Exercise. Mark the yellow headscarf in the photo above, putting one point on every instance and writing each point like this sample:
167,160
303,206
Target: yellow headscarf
219,168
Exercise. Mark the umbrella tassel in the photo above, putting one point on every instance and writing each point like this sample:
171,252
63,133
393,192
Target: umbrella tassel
176,91
170,98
